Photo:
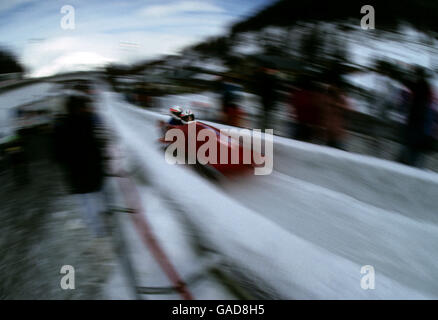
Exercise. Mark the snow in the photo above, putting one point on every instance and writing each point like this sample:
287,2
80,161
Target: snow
213,65
307,229
372,81
205,76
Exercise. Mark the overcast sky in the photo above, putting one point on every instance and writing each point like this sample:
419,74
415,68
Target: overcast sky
111,31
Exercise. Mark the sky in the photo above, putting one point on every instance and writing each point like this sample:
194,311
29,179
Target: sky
111,31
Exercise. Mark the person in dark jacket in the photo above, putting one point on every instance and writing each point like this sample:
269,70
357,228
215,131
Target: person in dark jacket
415,134
80,152
230,102
78,148
265,82
305,100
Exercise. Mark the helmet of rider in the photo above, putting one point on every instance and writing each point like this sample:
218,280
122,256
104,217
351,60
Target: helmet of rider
175,112
187,116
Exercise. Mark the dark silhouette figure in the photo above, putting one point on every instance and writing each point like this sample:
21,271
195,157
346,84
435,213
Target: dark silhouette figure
230,107
335,106
305,101
78,148
80,151
266,86
416,135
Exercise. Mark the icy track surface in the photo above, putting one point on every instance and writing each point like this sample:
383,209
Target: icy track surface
306,230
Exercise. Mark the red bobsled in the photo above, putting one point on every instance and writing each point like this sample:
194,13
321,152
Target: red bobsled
225,165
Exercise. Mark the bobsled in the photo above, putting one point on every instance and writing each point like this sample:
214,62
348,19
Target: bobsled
232,158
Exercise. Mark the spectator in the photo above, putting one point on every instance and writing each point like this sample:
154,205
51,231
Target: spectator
335,106
230,107
266,86
306,104
80,152
417,131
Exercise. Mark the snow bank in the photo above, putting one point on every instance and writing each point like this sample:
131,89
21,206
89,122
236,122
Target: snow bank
385,184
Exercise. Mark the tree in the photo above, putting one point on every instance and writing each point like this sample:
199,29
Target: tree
9,63
391,14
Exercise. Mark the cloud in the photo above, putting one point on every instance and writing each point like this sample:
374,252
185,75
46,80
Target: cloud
7,5
65,54
175,8
74,61
162,27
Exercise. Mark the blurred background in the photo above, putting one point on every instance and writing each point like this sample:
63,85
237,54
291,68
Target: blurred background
355,117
